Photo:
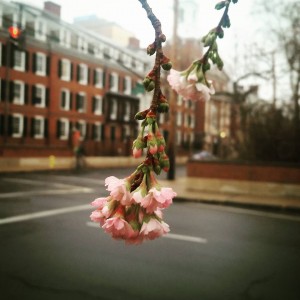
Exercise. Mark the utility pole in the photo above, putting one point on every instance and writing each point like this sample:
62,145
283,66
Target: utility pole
173,101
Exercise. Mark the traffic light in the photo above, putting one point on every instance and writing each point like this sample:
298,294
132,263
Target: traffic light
17,36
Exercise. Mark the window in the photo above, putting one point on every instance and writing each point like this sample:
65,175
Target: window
65,38
38,127
40,30
127,111
65,99
82,45
17,125
97,105
113,82
18,92
178,138
97,131
65,69
39,95
98,78
81,125
19,60
113,109
82,73
81,102
127,85
63,129
125,132
179,118
40,64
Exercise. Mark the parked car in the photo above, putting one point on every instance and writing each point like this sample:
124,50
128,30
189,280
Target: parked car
204,155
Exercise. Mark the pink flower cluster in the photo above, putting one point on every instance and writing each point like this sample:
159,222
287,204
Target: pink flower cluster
133,216
190,87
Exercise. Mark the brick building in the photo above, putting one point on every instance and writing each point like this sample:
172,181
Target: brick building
61,78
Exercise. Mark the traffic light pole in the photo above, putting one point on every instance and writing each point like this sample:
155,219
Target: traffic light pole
7,86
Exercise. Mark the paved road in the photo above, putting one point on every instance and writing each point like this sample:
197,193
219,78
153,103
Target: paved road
50,250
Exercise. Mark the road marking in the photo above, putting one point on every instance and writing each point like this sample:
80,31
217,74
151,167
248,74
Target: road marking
246,211
44,214
173,236
57,188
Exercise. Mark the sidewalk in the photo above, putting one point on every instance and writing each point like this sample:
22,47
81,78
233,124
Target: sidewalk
274,196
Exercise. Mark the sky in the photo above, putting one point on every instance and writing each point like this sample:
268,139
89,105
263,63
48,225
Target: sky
130,15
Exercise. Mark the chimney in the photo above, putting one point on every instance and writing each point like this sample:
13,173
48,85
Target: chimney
134,43
52,8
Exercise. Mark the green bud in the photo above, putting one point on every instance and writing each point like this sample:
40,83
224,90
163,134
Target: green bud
206,67
163,107
167,66
220,5
235,1
150,86
146,82
220,33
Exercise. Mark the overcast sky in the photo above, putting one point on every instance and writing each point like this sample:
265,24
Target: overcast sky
130,15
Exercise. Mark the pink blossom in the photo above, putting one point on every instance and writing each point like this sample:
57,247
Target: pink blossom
119,228
155,199
137,152
118,190
97,217
153,149
189,88
100,202
154,229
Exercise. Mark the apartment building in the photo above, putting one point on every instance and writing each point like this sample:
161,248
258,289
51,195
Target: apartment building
62,77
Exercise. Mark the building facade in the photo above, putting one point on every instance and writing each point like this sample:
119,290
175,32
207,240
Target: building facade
62,78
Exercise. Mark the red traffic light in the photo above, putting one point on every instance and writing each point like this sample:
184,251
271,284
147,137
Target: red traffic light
14,32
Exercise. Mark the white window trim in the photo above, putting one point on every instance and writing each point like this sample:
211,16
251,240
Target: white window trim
83,68
127,111
41,134
43,98
40,35
127,91
20,101
44,64
83,132
65,38
98,111
99,84
82,110
114,88
66,77
21,127
67,100
66,122
23,57
99,138
114,110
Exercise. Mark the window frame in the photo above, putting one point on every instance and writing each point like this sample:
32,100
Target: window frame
99,81
43,56
21,100
18,134
83,72
43,95
22,65
99,99
83,109
67,99
41,134
82,127
65,63
97,138
115,86
66,122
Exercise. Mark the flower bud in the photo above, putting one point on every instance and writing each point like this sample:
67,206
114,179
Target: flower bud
163,107
151,49
150,86
141,115
162,38
137,153
146,82
167,66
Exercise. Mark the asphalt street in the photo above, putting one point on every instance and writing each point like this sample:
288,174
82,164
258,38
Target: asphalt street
49,249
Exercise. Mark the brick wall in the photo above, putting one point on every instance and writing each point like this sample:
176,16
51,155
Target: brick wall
244,171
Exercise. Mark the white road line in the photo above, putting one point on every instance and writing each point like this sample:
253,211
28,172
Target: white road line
74,190
174,236
56,188
44,214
